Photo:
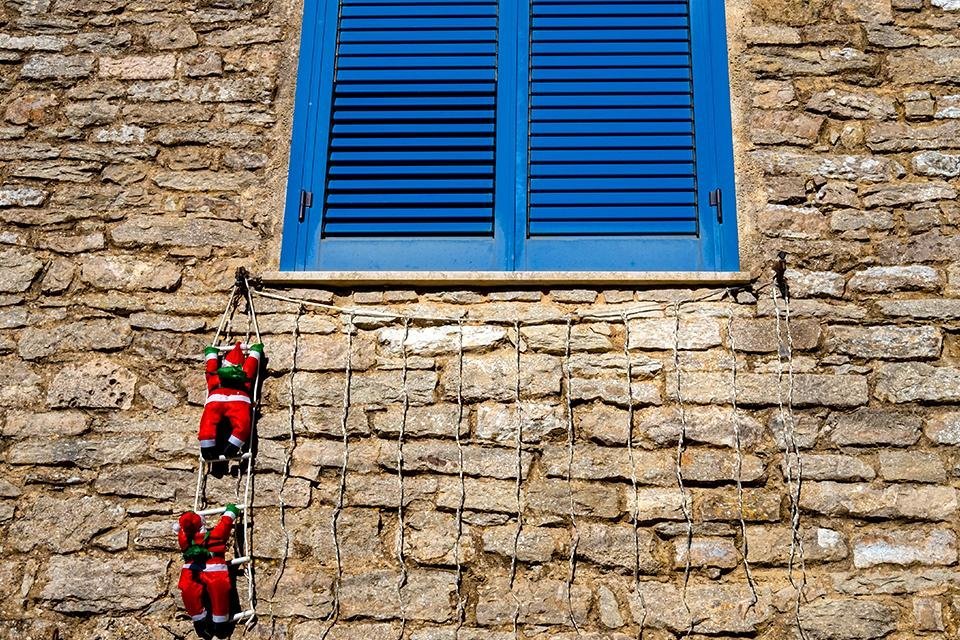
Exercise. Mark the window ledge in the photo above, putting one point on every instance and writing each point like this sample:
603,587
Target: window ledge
504,278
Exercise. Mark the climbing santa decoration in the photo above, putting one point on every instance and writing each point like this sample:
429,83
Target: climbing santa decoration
229,387
205,576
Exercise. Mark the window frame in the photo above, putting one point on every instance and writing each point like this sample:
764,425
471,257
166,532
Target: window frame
713,249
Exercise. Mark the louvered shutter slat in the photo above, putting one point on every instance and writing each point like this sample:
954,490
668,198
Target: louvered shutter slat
612,145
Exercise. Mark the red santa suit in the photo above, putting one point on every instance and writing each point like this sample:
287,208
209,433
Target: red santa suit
229,385
205,571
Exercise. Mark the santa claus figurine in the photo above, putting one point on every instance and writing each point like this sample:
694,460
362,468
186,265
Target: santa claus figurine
229,386
205,575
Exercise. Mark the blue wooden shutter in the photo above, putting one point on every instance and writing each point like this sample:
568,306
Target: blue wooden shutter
411,149
622,135
402,135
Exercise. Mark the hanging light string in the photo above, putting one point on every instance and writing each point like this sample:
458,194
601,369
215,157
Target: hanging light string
631,460
574,530
738,443
400,541
640,310
681,447
791,451
519,486
461,598
334,615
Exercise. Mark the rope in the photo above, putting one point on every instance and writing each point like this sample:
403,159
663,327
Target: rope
461,599
681,446
518,495
334,616
631,459
574,530
791,451
641,310
739,448
401,557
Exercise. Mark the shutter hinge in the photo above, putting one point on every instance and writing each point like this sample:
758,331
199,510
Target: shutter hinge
716,201
306,200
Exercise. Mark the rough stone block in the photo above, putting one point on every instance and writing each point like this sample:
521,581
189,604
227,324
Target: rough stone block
848,619
904,546
912,466
695,333
867,501
91,585
433,341
539,421
96,384
68,525
535,544
156,67
542,601
900,278
833,466
915,381
761,389
612,545
771,545
887,342
427,595
760,335
706,552
944,428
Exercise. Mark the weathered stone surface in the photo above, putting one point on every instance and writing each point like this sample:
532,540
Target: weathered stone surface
919,65
144,481
427,595
908,194
591,462
832,466
887,342
912,466
535,544
771,545
866,168
928,612
695,333
706,552
866,501
435,421
17,270
873,11
785,127
593,337
484,377
847,619
708,425
849,104
761,389
590,499
931,309
434,341
896,136
614,546
189,232
128,273
75,584
542,601
82,452
901,278
944,428
442,456
937,164
68,525
89,335
498,422
759,505
96,384
41,425
21,196
56,67
915,381
714,608
155,67
760,335
904,546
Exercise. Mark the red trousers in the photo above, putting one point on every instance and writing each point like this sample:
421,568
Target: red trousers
235,412
215,584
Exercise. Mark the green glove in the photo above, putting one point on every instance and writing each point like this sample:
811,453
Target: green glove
210,350
231,509
257,347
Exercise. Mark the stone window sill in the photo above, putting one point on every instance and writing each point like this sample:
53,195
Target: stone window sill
505,278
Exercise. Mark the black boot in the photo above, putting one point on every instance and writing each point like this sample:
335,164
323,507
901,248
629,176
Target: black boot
202,629
209,453
221,629
231,451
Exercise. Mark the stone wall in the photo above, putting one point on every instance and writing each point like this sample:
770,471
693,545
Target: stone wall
144,147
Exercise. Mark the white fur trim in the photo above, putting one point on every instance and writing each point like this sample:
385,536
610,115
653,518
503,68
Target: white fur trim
219,397
254,354
200,616
211,356
176,527
220,618
204,444
234,440
209,568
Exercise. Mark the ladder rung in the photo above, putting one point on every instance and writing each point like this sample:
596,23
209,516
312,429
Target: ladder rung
218,510
243,615
240,560
229,347
242,456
